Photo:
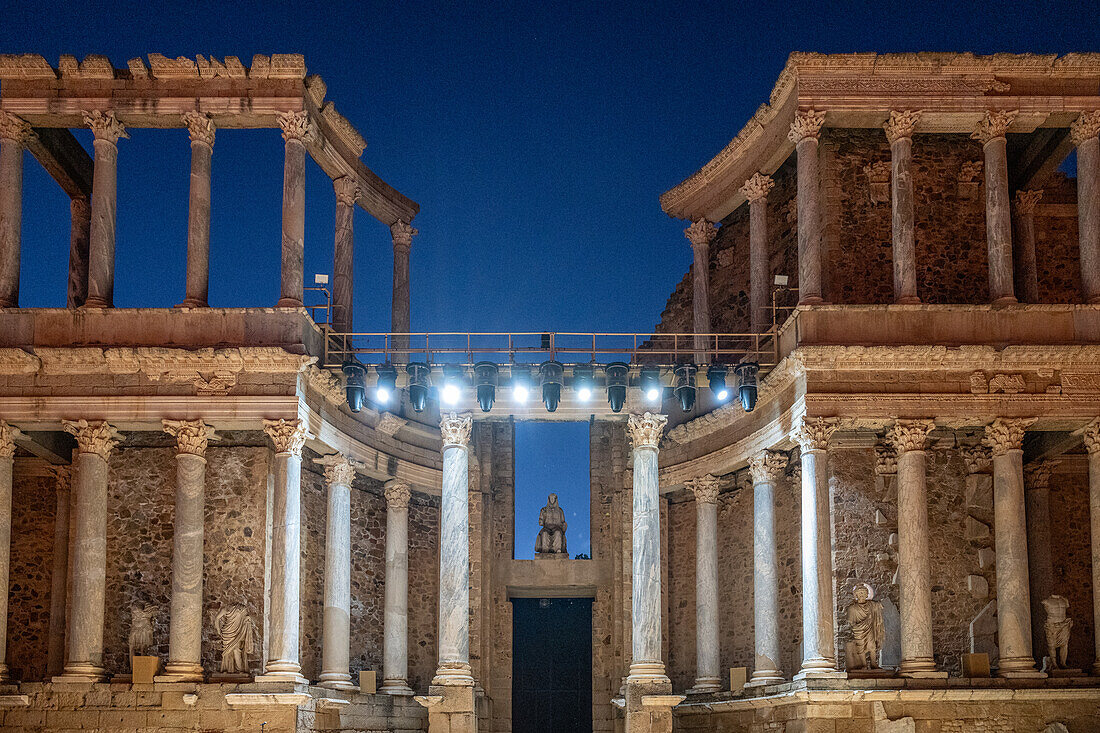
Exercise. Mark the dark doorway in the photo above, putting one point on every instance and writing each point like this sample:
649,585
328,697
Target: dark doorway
551,665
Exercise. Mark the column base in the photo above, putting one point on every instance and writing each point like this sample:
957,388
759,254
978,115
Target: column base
288,303
396,686
336,681
5,677
647,673
1005,300
93,302
181,672
283,671
811,300
1096,667
765,677
820,673
1018,668
453,674
81,672
706,686
920,669
193,303
931,674
908,300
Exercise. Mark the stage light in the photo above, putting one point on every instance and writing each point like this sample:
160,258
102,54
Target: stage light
521,383
684,388
453,377
419,383
550,374
746,383
355,384
717,376
485,377
386,386
616,373
583,382
650,380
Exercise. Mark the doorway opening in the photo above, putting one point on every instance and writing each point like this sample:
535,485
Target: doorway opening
552,458
551,665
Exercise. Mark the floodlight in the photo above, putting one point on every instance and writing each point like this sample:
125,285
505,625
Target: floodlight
550,374
717,376
420,382
583,381
355,384
386,385
652,389
485,378
616,373
453,377
746,384
684,388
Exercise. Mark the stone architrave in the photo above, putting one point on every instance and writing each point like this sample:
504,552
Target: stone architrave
343,258
336,622
201,130
804,133
59,576
297,129
95,439
998,215
80,227
14,133
1092,445
1040,564
185,619
395,639
818,616
101,243
766,469
288,437
707,673
1005,437
454,552
402,233
899,132
701,233
756,191
1084,133
8,434
1027,280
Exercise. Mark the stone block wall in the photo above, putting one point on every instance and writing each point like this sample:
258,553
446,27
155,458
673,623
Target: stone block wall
33,506
1057,259
1071,556
423,589
312,591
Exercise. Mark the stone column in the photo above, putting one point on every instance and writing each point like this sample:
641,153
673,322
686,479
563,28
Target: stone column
818,616
1005,437
297,129
1027,282
454,554
185,621
59,573
804,131
1092,445
1084,132
402,233
766,468
1039,562
13,138
909,438
998,222
101,236
899,132
701,233
336,624
95,439
80,216
707,674
288,436
756,191
201,129
395,640
8,434
343,259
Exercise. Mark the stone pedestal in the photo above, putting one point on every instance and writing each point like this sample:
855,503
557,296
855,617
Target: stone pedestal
451,708
701,233
648,706
998,221
804,131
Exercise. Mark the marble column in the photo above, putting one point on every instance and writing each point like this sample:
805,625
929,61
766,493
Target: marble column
1084,132
701,233
336,622
8,434
288,437
646,664
59,573
454,554
756,191
899,132
297,128
402,233
80,227
707,674
13,139
1024,263
998,222
766,468
1005,437
803,133
1040,564
185,619
201,129
818,615
909,438
1092,445
343,258
95,439
395,639
101,235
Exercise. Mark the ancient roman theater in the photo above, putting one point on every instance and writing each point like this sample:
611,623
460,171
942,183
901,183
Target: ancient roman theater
849,483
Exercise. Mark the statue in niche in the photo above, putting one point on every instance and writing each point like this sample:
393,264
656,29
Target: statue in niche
551,539
141,630
868,630
1057,628
235,631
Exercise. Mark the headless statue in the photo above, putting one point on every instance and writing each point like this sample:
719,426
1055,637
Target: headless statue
1057,628
141,630
234,630
868,629
551,539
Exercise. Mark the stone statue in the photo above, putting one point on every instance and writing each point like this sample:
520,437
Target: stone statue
551,539
234,630
868,629
1057,627
141,630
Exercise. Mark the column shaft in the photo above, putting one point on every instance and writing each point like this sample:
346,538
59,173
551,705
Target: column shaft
454,555
1026,271
294,225
198,218
998,221
759,272
7,463
810,235
59,576
1092,442
80,215
336,639
701,233
395,641
343,260
1088,207
11,209
402,233
101,244
766,469
707,675
905,253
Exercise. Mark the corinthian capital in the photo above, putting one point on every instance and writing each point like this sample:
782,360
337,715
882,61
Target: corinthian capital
338,469
296,126
813,433
93,436
289,436
645,430
1006,434
14,128
397,494
705,488
767,466
994,125
901,124
8,434
701,233
806,125
347,190
199,127
1037,474
976,457
456,429
1026,201
105,126
1092,437
757,187
63,478
402,233
910,435
1085,127
191,435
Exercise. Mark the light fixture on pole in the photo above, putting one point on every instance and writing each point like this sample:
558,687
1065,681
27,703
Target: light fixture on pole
420,382
616,373
684,388
551,375
485,379
650,381
355,384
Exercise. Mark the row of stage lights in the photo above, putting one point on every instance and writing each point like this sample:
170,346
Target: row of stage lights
551,378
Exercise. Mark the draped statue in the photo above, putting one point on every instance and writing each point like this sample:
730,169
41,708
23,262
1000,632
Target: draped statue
141,630
868,629
551,539
235,631
1058,626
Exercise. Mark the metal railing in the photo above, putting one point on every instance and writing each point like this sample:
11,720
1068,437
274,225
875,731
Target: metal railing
325,308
